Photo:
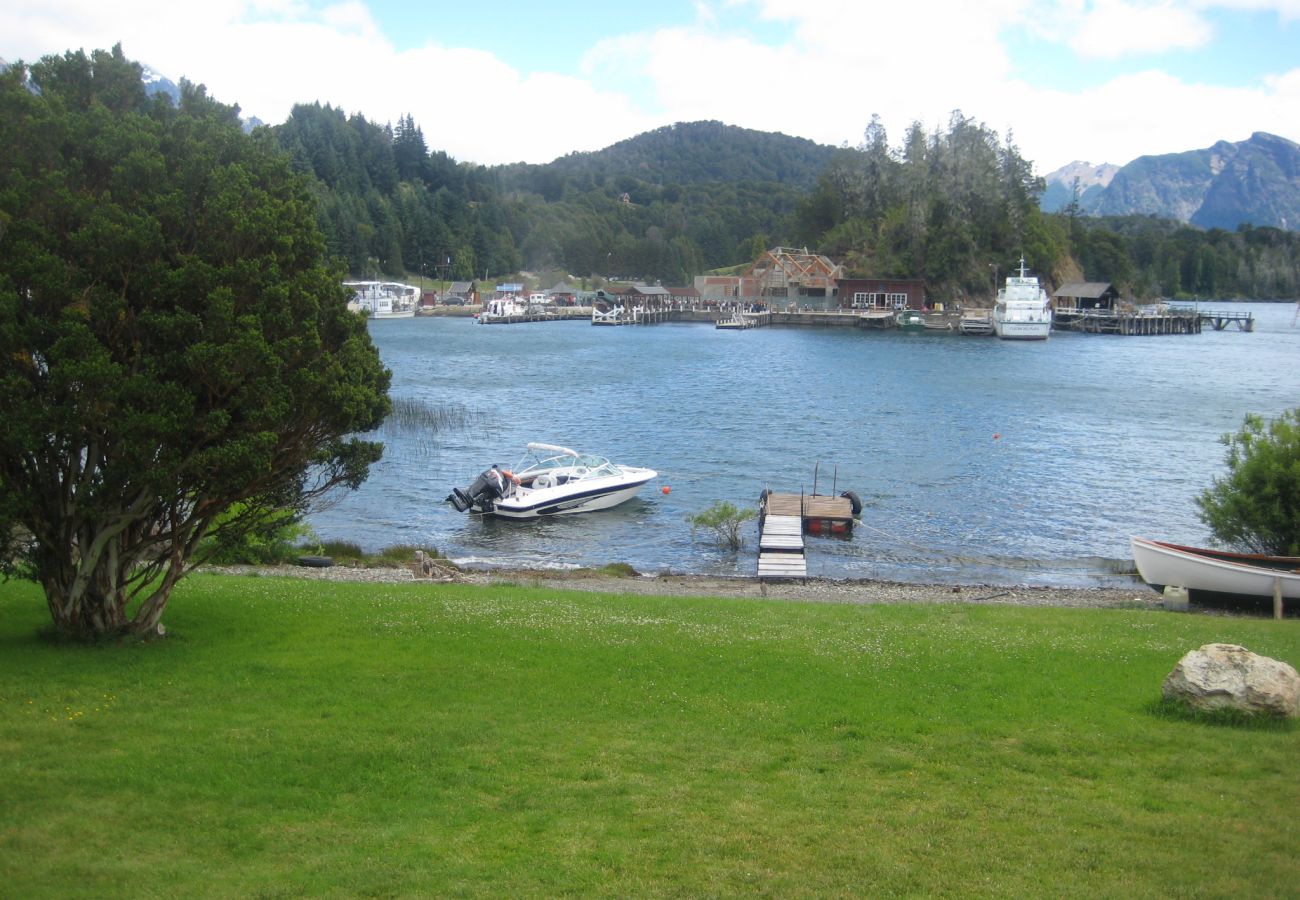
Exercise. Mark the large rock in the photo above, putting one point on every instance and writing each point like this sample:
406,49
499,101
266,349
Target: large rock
1226,676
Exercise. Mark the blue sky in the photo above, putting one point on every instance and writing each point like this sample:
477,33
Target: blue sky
492,82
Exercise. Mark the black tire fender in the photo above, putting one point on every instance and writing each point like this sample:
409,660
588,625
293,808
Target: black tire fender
855,502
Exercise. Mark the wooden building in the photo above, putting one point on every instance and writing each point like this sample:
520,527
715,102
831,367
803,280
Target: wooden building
1086,295
648,296
881,293
684,297
460,293
783,275
778,278
562,294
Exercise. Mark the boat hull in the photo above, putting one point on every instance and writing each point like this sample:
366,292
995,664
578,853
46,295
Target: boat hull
1021,331
560,501
1211,574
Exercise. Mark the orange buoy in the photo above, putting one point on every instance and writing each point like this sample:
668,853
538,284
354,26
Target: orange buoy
666,489
996,435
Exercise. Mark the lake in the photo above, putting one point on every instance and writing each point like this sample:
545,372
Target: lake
978,460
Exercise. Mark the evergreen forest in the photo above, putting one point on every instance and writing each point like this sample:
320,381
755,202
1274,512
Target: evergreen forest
956,205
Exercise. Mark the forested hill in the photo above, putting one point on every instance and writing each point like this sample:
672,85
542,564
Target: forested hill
663,206
954,206
687,153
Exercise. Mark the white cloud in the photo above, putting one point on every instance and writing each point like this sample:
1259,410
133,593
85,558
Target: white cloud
1287,10
836,64
1111,29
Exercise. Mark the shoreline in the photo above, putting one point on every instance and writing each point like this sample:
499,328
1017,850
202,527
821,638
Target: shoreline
814,590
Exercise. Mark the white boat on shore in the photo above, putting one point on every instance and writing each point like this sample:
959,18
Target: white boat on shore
1023,310
383,299
1216,574
551,481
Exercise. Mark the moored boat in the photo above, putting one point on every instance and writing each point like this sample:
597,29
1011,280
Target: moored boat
1023,310
550,481
384,299
911,320
1214,574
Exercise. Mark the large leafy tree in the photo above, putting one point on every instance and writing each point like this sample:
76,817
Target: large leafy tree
176,358
1256,506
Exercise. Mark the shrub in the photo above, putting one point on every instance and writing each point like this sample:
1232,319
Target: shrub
724,520
273,541
1256,507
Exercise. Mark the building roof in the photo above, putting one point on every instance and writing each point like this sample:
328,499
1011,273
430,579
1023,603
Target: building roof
460,287
782,266
1087,290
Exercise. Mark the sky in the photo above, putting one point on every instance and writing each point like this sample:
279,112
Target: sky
1101,81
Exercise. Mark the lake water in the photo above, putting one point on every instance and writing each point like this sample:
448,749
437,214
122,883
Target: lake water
978,460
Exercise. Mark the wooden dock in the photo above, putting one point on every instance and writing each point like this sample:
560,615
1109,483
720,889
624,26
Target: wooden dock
817,513
745,320
552,314
1219,319
1107,321
780,548
977,323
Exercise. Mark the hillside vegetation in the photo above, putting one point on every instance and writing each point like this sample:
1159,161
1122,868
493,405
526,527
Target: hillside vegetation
957,206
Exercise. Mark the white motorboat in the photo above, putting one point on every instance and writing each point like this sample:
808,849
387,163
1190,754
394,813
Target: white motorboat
1211,574
551,481
384,299
504,309
1023,310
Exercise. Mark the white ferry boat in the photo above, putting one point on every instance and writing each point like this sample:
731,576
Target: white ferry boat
1023,311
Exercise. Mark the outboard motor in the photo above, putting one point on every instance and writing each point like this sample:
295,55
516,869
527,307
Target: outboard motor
489,486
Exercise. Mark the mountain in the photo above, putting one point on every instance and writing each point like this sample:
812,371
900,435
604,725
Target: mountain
1060,184
1256,182
157,83
693,153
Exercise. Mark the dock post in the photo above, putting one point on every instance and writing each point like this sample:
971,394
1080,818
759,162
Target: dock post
1277,597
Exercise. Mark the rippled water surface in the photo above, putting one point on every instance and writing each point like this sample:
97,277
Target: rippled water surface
978,460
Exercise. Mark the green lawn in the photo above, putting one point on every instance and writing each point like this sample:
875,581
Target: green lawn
295,737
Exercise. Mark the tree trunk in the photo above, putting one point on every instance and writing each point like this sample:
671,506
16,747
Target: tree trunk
95,604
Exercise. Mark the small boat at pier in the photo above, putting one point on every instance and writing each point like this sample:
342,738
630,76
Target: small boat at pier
551,481
1023,310
911,320
383,299
1216,574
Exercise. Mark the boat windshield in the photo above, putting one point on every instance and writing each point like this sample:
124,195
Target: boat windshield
595,465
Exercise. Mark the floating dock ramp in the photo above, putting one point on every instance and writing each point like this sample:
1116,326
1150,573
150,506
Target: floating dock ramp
780,548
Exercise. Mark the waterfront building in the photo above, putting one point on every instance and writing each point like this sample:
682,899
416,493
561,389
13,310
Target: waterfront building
881,293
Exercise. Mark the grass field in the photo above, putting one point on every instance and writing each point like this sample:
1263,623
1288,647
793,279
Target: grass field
294,737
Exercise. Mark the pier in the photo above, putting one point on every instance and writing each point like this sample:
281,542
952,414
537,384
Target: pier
1153,320
544,314
817,513
780,548
1108,321
1156,320
1219,319
782,521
